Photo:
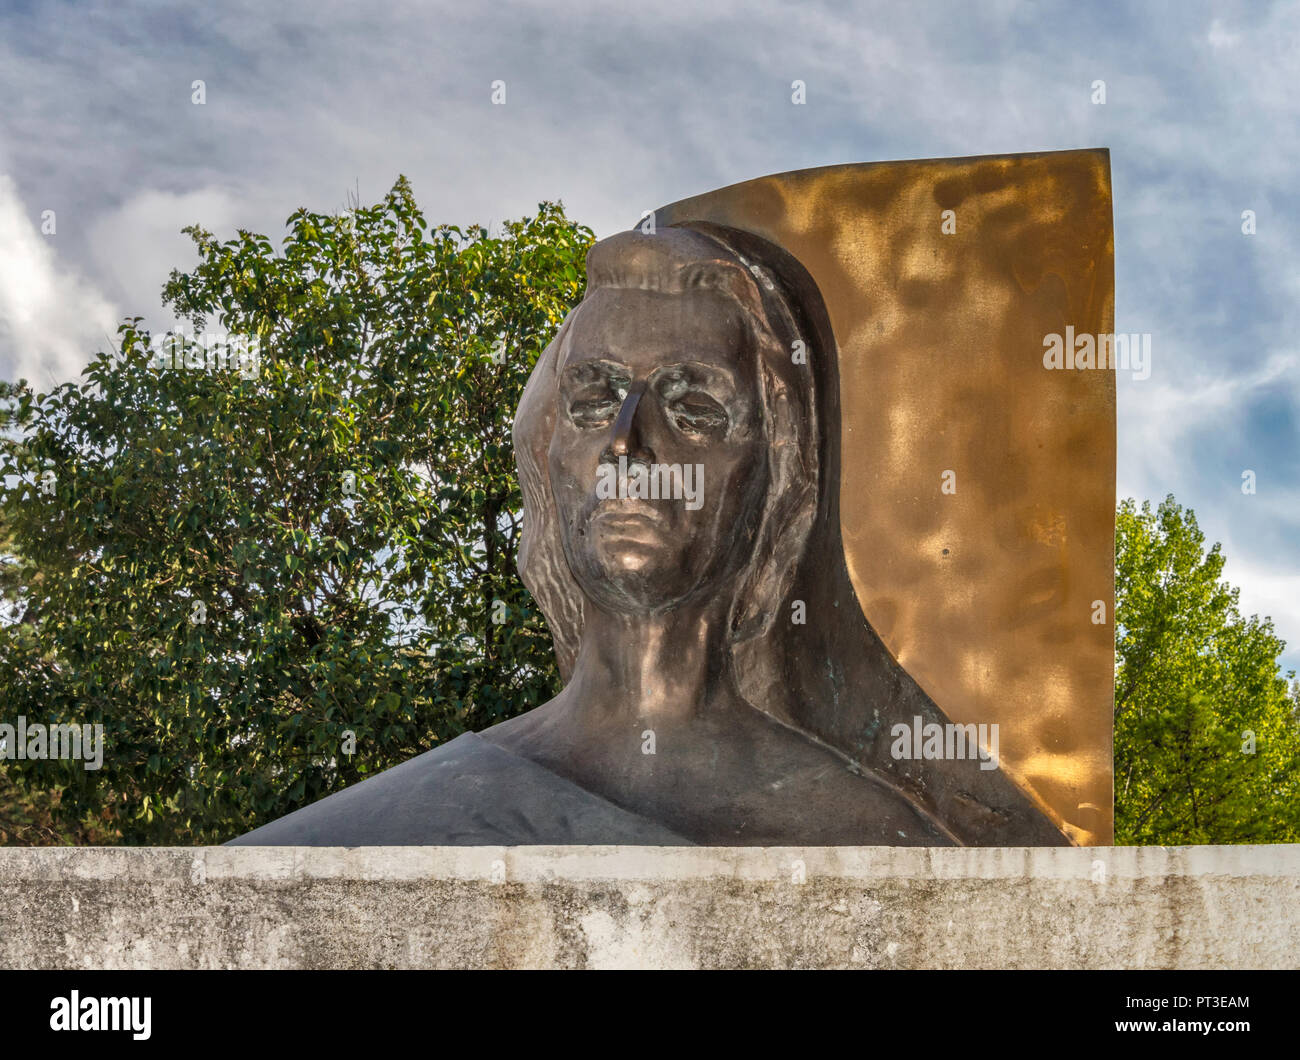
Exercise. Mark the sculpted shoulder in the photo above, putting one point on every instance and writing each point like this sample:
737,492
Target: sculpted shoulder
467,792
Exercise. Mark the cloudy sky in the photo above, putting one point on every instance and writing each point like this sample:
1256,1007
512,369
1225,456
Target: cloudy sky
616,112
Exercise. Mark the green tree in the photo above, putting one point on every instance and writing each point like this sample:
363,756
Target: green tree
1207,734
236,563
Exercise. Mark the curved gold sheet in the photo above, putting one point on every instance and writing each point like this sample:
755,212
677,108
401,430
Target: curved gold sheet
987,595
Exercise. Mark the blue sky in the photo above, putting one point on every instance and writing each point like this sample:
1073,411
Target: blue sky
616,112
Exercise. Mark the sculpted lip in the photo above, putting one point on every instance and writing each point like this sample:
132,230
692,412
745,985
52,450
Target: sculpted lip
627,515
627,523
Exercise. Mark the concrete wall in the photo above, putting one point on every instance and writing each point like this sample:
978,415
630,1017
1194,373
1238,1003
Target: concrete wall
873,907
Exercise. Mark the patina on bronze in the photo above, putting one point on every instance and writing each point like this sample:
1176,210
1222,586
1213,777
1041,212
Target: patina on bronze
722,684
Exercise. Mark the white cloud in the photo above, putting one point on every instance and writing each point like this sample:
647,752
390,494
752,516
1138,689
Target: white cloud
51,320
1160,414
619,111
1219,36
136,245
1268,592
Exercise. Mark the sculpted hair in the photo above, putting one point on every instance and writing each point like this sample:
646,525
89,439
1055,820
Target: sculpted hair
830,676
674,261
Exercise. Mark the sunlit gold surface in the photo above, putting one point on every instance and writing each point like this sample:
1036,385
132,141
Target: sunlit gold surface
986,595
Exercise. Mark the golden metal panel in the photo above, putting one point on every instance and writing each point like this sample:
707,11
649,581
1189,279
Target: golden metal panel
985,595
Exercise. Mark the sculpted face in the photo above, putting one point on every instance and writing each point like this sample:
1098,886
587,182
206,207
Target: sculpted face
658,393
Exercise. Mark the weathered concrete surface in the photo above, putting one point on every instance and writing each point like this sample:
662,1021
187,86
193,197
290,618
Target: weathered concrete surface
662,907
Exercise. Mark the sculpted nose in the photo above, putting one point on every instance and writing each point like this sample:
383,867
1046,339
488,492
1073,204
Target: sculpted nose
624,438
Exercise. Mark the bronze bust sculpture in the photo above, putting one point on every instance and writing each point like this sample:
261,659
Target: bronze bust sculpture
678,450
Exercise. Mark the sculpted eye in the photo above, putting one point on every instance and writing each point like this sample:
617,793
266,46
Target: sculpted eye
698,414
595,410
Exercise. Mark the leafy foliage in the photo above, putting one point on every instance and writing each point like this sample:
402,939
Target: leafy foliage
1207,732
231,574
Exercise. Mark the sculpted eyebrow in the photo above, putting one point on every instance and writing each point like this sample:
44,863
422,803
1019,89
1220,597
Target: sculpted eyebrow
595,371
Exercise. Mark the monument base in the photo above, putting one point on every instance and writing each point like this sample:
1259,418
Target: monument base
650,907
